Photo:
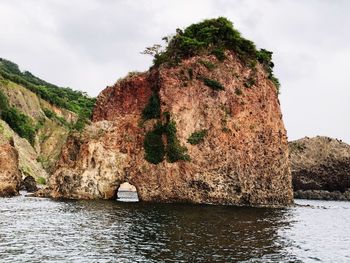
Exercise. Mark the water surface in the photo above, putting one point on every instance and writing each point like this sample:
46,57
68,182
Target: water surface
42,230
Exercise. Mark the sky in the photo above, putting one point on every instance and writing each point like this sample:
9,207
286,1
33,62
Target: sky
89,44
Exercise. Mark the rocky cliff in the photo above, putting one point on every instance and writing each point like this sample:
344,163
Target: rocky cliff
37,117
320,168
205,130
10,176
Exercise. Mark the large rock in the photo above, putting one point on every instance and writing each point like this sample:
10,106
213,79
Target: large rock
242,160
29,184
321,164
10,176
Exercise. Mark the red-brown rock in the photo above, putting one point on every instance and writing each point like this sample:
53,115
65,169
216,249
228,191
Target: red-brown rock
243,160
10,176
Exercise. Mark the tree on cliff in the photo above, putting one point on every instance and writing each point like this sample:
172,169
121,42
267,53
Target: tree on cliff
211,36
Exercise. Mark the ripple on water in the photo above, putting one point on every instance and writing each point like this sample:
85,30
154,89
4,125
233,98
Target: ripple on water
42,230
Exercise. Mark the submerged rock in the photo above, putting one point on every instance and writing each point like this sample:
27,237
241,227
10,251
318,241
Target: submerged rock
321,167
10,176
203,131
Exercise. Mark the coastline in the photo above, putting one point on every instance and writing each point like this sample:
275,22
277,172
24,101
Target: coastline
322,195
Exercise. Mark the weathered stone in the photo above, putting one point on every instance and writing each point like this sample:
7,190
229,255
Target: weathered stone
322,195
29,184
243,160
320,166
28,158
10,177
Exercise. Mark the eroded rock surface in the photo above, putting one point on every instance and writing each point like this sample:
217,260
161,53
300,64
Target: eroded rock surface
29,184
320,165
242,160
10,176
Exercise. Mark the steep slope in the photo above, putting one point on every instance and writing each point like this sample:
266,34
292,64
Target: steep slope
38,128
27,156
198,127
10,176
320,168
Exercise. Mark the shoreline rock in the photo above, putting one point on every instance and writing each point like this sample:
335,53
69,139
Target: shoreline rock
242,160
10,176
322,195
29,184
320,168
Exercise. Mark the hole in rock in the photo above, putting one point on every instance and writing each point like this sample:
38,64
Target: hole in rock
127,193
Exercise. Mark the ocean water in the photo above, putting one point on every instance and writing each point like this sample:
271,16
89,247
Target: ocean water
43,230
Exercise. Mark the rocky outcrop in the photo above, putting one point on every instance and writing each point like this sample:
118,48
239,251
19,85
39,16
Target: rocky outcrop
322,195
27,156
29,184
10,176
51,133
240,158
320,166
30,104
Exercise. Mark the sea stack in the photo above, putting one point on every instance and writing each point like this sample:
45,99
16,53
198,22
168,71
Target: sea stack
203,125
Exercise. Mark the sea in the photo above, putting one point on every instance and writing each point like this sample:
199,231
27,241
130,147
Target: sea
125,230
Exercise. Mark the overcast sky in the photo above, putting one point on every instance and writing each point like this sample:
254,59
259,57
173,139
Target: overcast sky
89,44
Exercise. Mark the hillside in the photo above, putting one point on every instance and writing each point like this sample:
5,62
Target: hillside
38,116
66,98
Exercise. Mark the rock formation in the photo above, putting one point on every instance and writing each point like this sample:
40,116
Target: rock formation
29,184
10,176
206,130
320,168
51,134
38,116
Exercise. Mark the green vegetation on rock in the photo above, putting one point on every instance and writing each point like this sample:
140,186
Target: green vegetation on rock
174,150
155,151
265,58
41,180
154,146
53,116
197,137
249,82
238,92
209,65
152,109
75,101
211,36
213,84
18,121
219,53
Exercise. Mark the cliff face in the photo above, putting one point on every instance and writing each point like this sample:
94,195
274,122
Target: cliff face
220,138
320,164
50,135
10,176
38,117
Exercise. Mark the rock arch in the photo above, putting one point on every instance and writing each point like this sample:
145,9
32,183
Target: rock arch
243,159
126,192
